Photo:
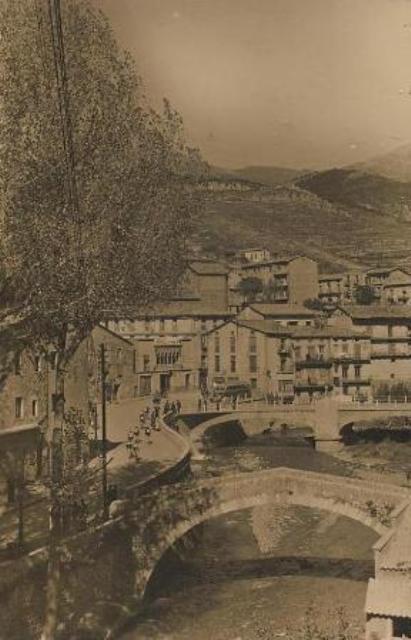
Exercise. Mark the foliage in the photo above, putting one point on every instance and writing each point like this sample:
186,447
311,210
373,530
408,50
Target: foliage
250,288
364,294
65,263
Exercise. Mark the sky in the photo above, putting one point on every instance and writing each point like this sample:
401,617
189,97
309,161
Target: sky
292,83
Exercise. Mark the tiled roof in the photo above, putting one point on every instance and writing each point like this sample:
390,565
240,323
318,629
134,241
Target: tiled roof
377,312
208,267
269,327
282,310
174,308
325,332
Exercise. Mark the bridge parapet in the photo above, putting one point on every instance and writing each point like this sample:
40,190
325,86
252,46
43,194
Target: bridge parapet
157,521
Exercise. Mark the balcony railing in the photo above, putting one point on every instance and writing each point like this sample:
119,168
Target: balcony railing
314,363
352,380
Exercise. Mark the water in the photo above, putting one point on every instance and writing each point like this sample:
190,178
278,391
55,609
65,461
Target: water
253,574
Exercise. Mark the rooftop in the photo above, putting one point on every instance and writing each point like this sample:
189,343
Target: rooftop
282,310
377,312
326,332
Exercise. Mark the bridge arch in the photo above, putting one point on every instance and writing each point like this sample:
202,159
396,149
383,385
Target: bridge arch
149,557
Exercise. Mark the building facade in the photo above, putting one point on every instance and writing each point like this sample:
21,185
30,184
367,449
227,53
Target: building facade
254,351
389,328
292,279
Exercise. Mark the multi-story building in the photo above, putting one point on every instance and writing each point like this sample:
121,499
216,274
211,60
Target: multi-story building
397,288
284,314
292,279
376,278
167,363
29,388
208,281
331,359
255,351
339,288
389,328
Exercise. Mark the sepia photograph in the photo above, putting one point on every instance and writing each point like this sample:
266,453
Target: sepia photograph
205,319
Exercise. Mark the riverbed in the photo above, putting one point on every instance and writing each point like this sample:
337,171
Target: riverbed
262,573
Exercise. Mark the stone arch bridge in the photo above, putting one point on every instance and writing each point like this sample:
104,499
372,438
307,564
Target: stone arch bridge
157,521
326,417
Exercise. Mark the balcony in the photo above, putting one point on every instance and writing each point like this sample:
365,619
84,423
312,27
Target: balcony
287,372
352,381
315,362
352,358
310,387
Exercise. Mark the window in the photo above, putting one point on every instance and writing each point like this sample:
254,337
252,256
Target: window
252,344
19,408
217,363
203,325
253,364
37,363
390,331
357,371
335,367
232,342
146,362
217,343
344,346
233,364
345,371
34,408
17,363
162,325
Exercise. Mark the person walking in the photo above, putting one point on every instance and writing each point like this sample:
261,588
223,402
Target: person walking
166,408
199,404
178,405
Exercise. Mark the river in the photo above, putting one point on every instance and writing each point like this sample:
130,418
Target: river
262,573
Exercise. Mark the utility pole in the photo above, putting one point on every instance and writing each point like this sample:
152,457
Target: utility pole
104,428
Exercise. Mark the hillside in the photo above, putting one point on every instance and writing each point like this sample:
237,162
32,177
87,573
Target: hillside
317,221
353,188
269,176
395,165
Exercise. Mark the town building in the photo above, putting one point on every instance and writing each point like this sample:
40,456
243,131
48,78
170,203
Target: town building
254,351
284,314
389,328
339,288
397,288
376,278
291,279
331,359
